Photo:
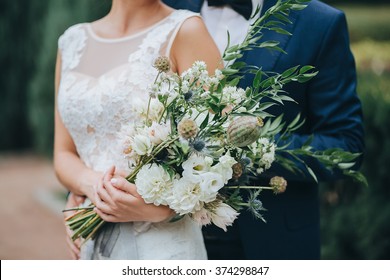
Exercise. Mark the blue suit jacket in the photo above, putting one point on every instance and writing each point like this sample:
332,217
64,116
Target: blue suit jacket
333,115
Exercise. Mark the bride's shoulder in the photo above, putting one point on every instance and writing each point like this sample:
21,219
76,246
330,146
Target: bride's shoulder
74,33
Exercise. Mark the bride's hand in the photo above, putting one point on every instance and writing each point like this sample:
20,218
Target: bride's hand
117,200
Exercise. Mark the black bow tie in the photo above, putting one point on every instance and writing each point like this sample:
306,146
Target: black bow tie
243,7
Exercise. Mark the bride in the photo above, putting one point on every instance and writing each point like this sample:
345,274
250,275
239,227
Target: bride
102,67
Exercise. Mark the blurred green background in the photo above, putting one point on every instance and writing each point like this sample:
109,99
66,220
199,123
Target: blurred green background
355,220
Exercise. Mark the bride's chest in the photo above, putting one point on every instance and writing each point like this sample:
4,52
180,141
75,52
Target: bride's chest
107,101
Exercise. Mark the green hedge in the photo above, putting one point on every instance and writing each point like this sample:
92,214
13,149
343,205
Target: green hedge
355,220
20,34
367,21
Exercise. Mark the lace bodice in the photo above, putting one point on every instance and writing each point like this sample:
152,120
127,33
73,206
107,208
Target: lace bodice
101,78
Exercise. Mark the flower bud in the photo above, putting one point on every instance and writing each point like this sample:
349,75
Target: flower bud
162,64
278,184
237,170
244,130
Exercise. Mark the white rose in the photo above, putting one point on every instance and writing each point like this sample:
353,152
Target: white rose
223,216
154,184
142,145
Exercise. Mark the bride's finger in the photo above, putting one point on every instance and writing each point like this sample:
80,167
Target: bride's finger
108,176
103,195
103,207
123,185
106,217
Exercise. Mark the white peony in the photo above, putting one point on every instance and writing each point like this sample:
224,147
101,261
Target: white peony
154,184
223,216
142,144
185,196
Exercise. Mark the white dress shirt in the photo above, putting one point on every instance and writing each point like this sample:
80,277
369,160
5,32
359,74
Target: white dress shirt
221,19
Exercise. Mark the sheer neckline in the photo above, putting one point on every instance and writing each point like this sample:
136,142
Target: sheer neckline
128,37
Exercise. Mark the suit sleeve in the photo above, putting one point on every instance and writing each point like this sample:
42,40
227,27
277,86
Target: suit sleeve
334,113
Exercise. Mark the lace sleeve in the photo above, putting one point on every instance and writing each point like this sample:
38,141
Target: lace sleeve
72,44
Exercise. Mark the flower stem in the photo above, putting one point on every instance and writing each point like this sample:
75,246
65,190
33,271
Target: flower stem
159,148
250,187
78,208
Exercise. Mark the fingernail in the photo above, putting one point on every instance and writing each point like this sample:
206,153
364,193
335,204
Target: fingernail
114,181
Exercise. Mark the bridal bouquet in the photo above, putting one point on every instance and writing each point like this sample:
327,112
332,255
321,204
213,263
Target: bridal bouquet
198,140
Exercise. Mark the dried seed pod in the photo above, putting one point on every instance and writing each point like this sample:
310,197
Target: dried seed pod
187,128
243,131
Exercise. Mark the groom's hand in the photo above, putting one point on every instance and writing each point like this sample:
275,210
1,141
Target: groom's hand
117,200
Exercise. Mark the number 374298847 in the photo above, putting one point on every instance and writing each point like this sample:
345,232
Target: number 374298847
241,270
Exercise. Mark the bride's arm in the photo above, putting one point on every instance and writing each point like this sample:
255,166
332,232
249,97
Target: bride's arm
192,43
69,168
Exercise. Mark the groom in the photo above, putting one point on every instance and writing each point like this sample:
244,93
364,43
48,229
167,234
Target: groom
328,103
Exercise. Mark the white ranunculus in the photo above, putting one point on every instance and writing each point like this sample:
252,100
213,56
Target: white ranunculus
154,184
158,132
185,196
142,144
223,216
202,217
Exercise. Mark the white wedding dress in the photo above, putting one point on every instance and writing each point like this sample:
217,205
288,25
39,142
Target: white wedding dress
99,79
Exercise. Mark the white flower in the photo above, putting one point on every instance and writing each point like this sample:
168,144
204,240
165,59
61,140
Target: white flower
202,217
196,165
142,144
210,184
154,184
185,196
185,87
158,132
218,74
224,167
233,95
155,110
267,160
223,216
